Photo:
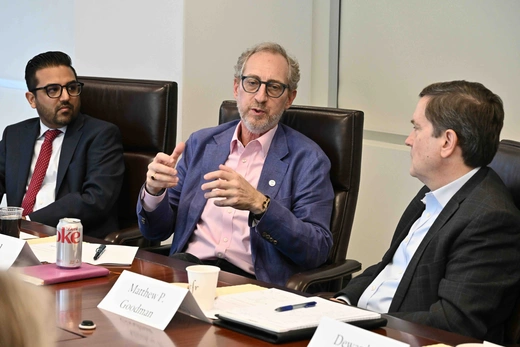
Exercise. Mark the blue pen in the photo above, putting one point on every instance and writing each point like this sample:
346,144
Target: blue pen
294,307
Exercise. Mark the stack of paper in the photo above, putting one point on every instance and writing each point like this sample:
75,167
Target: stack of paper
45,251
255,313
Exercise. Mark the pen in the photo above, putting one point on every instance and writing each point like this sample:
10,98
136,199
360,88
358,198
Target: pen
294,307
100,250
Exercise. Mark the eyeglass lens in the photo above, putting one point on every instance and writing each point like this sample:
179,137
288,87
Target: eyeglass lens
252,85
55,90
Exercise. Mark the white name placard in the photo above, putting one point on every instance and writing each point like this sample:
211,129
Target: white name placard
140,334
149,301
14,250
333,333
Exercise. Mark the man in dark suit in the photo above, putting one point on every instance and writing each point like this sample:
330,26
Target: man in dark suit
78,171
453,261
251,196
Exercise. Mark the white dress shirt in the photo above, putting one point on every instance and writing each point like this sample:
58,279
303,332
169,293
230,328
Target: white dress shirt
47,193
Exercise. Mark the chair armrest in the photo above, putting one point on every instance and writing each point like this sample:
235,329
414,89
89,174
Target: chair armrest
162,249
130,236
337,271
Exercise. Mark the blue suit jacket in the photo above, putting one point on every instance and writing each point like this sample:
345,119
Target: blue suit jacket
292,236
90,172
464,276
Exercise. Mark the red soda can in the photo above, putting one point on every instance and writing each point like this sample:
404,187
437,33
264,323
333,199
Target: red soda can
69,238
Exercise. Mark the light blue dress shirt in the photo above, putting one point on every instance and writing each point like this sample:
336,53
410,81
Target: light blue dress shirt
379,294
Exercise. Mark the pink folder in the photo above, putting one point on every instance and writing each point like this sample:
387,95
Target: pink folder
50,273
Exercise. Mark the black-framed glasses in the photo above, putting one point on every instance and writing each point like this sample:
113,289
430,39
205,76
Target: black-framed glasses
252,85
54,90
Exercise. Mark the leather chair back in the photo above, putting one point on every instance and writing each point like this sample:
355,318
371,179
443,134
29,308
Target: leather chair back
339,133
507,164
146,113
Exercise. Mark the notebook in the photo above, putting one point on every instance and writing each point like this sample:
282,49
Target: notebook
50,273
261,320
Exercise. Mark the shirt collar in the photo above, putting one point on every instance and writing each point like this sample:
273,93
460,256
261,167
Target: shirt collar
265,140
44,128
444,194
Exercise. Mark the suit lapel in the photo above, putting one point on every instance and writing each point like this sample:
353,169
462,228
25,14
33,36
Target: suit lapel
27,138
72,136
215,153
274,169
446,214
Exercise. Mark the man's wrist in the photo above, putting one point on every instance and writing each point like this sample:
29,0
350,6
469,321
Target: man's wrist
265,205
159,193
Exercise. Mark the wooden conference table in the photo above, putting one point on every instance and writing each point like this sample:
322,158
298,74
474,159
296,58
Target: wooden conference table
76,301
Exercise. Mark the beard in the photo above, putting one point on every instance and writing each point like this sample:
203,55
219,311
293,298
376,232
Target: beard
56,116
258,125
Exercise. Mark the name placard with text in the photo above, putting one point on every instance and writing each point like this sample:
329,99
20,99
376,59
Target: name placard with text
148,300
15,251
333,333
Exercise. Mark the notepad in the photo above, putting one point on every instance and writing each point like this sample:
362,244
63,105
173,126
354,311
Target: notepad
256,315
45,251
50,273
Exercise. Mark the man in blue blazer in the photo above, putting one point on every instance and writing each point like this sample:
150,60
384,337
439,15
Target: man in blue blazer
453,261
251,196
85,172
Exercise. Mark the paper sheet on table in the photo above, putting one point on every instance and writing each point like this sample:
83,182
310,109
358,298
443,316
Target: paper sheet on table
43,249
259,310
239,288
48,239
26,236
220,305
113,255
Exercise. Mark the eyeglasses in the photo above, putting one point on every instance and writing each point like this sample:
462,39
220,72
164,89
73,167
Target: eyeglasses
54,90
252,85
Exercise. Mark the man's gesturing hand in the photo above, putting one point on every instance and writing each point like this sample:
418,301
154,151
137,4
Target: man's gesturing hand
233,190
162,173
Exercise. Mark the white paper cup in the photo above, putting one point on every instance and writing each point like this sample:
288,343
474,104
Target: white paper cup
202,283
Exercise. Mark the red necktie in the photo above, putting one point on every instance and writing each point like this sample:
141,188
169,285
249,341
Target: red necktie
39,171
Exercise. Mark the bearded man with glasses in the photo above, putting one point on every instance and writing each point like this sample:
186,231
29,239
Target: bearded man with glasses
253,196
62,163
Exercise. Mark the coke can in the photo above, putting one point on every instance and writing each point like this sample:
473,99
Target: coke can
69,238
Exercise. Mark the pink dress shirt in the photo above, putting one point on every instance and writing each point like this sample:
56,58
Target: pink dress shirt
223,232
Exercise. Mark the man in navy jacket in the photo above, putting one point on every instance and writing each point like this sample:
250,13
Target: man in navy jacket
86,168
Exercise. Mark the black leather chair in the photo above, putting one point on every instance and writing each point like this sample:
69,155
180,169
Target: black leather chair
507,164
339,133
146,113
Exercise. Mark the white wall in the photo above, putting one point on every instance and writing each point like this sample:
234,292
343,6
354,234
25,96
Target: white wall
28,27
195,43
217,32
131,39
389,51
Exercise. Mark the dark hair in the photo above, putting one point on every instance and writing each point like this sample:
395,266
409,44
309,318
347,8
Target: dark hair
271,47
472,111
44,60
